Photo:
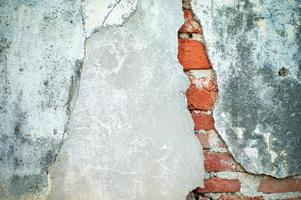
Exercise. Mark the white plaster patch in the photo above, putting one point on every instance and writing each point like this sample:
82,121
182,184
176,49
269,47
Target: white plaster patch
252,152
291,33
263,30
257,7
198,74
226,3
131,126
268,138
239,132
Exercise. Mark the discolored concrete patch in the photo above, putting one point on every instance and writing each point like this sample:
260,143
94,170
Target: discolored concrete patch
254,47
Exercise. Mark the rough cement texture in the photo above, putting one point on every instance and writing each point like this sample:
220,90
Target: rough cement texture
41,52
254,46
130,134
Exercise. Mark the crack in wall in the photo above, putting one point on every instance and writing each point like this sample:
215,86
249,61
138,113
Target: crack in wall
107,16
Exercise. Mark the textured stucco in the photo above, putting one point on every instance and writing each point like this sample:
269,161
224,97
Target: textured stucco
130,134
258,110
41,52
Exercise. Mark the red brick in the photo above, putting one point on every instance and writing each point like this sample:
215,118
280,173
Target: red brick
188,15
215,185
200,99
217,162
190,26
192,55
236,197
202,121
271,185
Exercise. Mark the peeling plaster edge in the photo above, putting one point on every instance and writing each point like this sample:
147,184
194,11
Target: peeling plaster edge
72,99
109,13
75,85
104,23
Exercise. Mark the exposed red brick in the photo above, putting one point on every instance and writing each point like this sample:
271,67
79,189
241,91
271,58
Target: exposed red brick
236,197
215,185
202,121
188,15
192,55
271,185
190,26
200,99
217,162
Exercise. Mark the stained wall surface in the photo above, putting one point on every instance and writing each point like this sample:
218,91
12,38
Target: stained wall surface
254,47
41,52
130,135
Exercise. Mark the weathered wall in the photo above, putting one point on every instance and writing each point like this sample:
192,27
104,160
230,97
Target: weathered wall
258,110
130,134
41,51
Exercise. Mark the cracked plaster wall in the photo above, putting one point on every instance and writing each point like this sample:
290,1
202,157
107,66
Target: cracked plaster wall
130,134
258,111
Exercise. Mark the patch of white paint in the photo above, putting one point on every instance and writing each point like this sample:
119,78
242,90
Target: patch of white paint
262,29
239,132
198,74
252,152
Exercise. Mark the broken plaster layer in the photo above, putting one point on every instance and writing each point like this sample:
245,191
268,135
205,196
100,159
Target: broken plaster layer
130,134
41,52
98,14
258,111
